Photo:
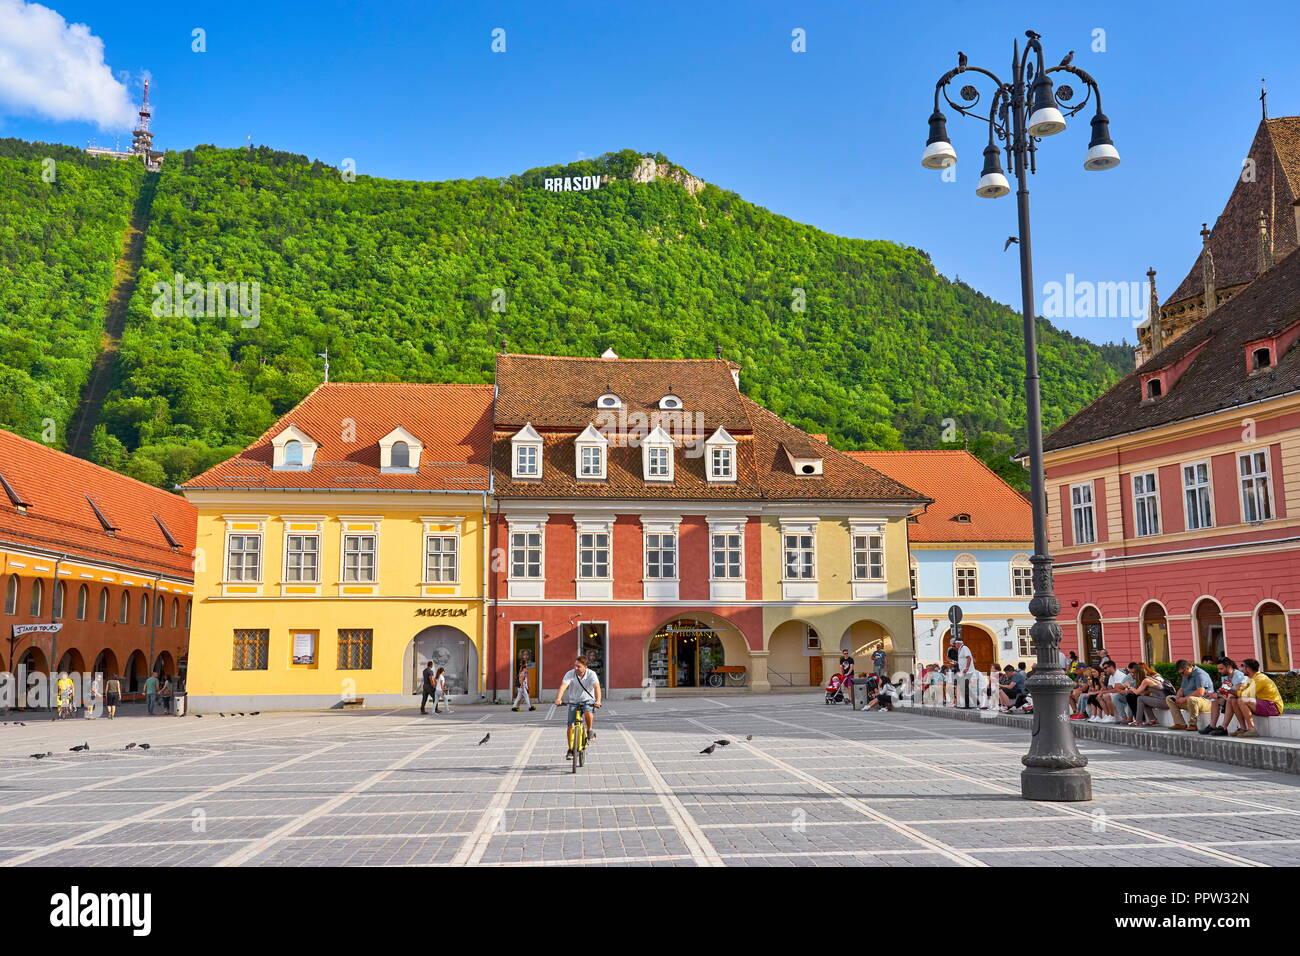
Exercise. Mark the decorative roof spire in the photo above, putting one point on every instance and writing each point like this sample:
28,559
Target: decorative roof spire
1265,247
1153,313
1207,272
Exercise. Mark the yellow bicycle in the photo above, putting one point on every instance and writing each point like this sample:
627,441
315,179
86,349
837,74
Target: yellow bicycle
578,739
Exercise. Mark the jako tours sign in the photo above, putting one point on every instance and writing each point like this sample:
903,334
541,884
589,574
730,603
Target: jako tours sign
569,184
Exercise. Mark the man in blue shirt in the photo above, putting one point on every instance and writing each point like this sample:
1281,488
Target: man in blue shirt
1193,697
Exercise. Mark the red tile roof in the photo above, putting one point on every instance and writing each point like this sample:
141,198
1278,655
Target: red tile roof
1273,187
558,396
347,419
959,483
57,490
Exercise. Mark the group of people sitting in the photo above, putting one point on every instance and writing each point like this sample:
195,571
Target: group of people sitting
1131,696
950,686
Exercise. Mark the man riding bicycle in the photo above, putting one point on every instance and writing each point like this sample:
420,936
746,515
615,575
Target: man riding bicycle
584,696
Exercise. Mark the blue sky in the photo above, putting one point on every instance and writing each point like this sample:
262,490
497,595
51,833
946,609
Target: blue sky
831,136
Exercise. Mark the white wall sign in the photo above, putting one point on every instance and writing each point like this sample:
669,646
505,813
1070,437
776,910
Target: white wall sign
304,647
569,184
20,629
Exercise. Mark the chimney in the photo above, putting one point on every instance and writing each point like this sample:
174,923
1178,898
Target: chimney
1153,313
1265,253
1207,272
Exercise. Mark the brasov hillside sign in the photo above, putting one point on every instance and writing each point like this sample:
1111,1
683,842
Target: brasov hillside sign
569,184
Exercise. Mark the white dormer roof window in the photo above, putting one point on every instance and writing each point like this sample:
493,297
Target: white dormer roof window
720,456
591,446
526,453
657,456
399,452
609,400
293,450
804,463
671,402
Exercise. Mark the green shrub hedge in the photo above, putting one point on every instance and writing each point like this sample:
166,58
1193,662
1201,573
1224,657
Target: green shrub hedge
1170,673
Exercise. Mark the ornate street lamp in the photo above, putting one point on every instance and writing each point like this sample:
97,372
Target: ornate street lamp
1022,112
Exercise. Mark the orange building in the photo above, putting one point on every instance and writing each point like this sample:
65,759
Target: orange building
102,561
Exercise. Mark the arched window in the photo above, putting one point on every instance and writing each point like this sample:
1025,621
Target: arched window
83,599
38,597
1207,619
401,455
11,595
966,579
1155,633
1022,576
1092,639
188,602
60,590
176,610
293,454
159,608
124,612
144,608
103,605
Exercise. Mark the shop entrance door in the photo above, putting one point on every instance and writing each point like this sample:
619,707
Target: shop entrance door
815,671
593,643
526,652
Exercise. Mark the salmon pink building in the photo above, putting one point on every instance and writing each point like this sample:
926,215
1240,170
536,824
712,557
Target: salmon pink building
650,516
1174,499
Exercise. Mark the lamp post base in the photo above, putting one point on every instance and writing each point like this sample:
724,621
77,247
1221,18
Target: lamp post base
1072,785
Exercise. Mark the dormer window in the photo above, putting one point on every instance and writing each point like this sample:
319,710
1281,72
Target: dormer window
399,452
670,403
962,518
805,461
1154,388
591,446
526,453
720,456
657,456
293,450
609,400
1261,358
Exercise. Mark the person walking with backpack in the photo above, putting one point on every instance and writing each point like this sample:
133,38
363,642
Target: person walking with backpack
521,682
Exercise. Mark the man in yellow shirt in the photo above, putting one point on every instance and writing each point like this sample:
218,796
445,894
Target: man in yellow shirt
1258,697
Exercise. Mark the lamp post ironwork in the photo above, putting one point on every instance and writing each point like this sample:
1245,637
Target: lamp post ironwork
1022,112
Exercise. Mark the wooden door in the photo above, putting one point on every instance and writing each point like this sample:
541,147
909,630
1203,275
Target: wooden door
815,671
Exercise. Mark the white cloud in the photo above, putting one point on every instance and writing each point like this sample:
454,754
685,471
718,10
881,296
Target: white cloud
56,69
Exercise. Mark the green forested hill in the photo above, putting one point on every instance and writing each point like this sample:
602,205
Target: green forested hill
62,219
421,281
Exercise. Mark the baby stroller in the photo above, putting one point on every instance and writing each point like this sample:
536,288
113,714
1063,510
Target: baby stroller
835,690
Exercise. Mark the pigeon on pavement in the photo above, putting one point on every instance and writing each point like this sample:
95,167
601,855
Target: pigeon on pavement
144,746
709,749
48,753
486,738
722,743
749,737
130,746
78,749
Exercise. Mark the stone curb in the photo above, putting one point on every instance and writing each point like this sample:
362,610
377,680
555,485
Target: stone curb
1256,753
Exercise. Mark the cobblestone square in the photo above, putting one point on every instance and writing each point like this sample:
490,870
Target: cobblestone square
816,785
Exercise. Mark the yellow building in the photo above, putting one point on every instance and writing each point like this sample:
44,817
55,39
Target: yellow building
343,550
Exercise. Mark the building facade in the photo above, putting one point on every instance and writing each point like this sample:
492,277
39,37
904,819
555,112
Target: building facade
95,570
656,520
345,548
969,547
1174,499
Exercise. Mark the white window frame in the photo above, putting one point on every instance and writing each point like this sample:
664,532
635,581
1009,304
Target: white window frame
595,547
965,562
720,443
1079,509
527,547
345,552
259,552
1021,572
454,552
526,440
1197,486
1024,639
914,578
657,441
289,551
658,547
1255,488
866,535
1146,504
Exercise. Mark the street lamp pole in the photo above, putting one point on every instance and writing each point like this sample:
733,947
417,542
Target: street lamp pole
1021,113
